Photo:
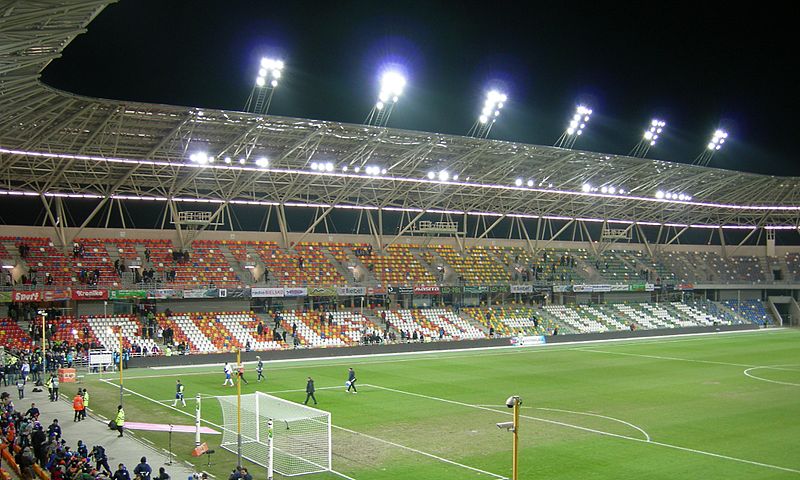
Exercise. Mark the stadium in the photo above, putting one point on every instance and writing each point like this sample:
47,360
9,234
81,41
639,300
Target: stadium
511,310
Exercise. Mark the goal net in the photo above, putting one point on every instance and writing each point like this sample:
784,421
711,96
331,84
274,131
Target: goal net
301,435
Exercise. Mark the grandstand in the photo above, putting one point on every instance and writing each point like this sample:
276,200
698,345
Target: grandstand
290,261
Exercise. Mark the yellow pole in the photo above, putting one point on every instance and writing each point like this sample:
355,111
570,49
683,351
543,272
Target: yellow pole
120,365
515,448
44,348
238,409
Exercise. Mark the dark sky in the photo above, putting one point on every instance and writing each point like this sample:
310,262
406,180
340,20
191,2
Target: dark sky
697,65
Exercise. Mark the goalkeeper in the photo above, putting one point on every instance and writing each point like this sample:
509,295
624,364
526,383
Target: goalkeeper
351,380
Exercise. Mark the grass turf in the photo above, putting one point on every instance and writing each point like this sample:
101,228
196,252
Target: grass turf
588,409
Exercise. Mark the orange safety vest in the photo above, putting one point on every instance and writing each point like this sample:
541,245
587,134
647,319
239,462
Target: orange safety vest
77,403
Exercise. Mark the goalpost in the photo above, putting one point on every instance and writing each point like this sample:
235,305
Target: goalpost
301,435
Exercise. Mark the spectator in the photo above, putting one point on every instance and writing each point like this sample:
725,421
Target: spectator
162,474
143,470
121,473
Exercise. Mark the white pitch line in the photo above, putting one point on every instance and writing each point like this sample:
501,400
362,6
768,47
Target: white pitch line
659,357
646,435
588,414
776,367
420,452
599,432
334,426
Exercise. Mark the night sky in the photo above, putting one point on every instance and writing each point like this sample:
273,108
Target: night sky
697,67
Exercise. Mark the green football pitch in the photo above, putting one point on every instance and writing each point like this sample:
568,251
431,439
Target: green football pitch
714,406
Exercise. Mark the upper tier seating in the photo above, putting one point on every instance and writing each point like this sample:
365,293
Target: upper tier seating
397,266
475,265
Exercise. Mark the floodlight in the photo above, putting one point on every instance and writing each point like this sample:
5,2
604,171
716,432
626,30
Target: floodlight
228,160
383,171
603,189
489,114
357,169
717,139
612,190
444,176
262,162
455,177
431,175
314,166
586,188
379,105
518,182
329,167
530,183
260,81
242,161
274,83
579,120
344,169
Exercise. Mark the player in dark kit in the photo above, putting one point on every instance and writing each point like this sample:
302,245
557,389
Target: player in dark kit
260,370
310,391
351,380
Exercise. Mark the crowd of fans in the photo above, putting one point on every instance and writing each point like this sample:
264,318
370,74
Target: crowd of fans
35,446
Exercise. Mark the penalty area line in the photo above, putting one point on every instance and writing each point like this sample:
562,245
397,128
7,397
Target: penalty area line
592,430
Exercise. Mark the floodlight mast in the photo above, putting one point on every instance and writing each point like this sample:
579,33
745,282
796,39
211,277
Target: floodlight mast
495,101
392,85
269,72
649,139
717,140
576,126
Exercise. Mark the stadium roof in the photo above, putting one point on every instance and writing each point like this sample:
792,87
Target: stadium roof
53,143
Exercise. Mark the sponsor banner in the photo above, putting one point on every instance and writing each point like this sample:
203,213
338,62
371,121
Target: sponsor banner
401,290
376,291
450,290
621,288
528,340
84,294
680,286
100,358
475,289
295,291
200,293
25,297
426,290
499,289
601,288
261,292
521,288
164,293
5,297
123,294
582,288
562,288
322,292
351,291
58,295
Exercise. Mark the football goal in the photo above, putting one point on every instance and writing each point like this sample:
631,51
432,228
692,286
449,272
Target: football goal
300,435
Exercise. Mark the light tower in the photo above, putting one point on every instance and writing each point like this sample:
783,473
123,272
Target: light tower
716,142
649,138
576,126
269,72
491,110
392,85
